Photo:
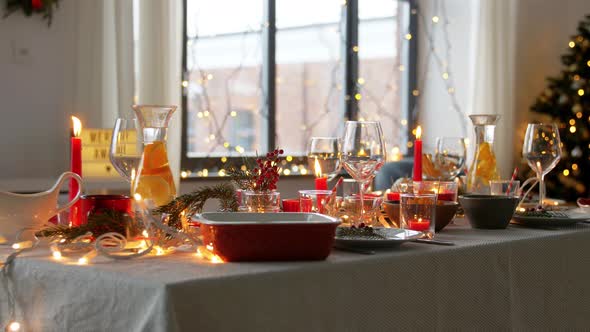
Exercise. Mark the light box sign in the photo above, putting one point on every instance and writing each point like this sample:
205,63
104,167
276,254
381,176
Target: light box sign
96,144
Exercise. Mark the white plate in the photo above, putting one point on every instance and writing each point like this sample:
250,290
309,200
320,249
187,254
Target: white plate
387,238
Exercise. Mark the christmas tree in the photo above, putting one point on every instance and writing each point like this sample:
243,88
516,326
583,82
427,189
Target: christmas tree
567,100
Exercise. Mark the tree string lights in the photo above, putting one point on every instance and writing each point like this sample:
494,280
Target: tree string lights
566,101
216,122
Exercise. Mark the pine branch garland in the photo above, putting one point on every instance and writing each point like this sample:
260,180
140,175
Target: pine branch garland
98,224
193,203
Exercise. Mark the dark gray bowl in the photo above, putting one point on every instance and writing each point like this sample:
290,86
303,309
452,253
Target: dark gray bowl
489,212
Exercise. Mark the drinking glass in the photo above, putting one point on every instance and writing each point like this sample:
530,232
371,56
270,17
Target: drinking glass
363,152
314,200
417,212
505,187
449,156
542,151
323,156
126,148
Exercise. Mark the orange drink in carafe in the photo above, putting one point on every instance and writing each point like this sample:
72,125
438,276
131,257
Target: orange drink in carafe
154,178
483,167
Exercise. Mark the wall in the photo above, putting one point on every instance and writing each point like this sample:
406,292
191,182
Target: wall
34,126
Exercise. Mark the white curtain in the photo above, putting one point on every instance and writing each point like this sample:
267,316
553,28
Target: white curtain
102,61
109,76
493,74
159,65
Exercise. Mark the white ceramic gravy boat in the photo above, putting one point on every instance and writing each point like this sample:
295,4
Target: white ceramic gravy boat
20,212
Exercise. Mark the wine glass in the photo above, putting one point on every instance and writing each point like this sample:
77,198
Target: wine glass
449,156
542,151
324,152
363,153
126,148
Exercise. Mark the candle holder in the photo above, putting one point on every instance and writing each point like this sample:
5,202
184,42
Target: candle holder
417,212
261,201
313,200
445,190
291,205
351,207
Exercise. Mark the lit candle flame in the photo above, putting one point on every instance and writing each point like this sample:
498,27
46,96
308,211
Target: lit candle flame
317,168
418,132
77,126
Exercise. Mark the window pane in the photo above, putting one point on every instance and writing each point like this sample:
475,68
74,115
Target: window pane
382,78
309,72
224,59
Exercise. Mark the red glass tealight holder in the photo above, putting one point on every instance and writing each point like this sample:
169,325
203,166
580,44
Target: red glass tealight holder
292,205
91,204
393,196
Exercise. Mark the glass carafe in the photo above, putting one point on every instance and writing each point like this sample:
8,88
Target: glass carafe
483,167
154,180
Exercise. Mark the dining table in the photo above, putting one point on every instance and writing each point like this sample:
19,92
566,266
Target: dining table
505,279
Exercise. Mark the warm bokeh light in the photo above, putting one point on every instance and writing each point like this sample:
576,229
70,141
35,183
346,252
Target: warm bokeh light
14,326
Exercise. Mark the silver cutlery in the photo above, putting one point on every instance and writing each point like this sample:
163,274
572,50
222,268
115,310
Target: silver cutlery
434,241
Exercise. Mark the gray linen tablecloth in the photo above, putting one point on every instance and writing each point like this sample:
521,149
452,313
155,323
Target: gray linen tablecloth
513,279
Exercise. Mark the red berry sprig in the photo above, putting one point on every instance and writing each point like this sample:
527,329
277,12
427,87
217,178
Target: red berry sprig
266,175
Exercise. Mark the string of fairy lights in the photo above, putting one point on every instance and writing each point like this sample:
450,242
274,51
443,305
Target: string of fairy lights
429,26
156,239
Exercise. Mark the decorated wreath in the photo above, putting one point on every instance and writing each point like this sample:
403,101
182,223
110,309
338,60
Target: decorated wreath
30,7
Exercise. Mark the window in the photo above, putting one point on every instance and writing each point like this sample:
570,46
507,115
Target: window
266,73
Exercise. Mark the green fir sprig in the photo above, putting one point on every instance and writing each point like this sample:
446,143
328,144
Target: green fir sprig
193,203
98,224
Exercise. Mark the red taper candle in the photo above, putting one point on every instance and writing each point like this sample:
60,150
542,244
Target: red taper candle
75,167
321,182
418,155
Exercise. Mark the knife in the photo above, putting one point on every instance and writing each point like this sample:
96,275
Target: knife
432,241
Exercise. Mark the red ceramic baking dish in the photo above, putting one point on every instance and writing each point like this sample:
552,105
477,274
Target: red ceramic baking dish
268,236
